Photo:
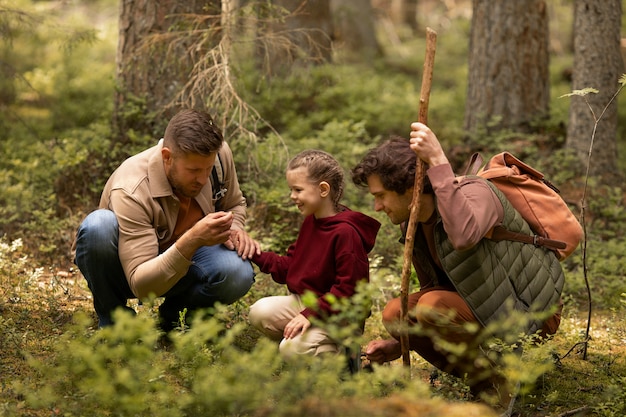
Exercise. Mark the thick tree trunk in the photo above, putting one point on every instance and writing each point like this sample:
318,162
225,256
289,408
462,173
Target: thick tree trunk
404,12
401,13
508,80
151,66
354,36
302,38
597,64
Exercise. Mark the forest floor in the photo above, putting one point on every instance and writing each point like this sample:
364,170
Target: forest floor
32,322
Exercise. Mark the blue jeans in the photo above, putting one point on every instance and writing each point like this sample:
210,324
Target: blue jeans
216,275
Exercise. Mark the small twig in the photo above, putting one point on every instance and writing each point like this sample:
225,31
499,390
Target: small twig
584,342
582,214
574,412
596,119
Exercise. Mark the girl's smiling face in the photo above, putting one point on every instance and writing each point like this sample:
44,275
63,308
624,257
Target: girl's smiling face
309,197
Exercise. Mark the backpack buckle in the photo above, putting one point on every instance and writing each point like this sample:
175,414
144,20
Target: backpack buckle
221,193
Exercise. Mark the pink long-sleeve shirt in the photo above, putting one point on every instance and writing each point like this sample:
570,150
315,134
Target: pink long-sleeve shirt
468,208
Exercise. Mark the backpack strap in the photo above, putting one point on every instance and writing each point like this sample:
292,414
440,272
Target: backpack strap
499,233
474,164
217,182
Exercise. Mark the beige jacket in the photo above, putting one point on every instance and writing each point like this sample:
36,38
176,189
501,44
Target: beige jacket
146,208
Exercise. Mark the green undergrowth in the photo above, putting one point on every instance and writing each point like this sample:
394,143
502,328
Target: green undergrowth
54,361
57,138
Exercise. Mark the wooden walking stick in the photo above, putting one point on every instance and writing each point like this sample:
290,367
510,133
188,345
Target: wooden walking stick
427,78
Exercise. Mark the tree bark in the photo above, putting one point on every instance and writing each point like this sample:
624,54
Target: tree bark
354,34
597,64
399,12
152,66
301,38
508,80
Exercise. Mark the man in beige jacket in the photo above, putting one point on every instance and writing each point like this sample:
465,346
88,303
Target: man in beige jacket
157,231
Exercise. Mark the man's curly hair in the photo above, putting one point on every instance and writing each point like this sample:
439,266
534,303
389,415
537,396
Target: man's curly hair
394,162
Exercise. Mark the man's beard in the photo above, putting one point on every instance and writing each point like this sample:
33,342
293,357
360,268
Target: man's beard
189,191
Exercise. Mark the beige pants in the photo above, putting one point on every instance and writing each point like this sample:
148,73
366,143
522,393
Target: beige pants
271,314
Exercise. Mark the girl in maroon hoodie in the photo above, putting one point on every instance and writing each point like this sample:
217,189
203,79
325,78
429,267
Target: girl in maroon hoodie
329,257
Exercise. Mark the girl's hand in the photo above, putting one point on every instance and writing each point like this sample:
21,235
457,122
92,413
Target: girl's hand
245,246
296,326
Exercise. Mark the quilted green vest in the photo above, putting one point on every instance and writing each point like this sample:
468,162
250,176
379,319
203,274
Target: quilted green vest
495,277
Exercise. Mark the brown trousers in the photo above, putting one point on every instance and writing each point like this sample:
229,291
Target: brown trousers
445,339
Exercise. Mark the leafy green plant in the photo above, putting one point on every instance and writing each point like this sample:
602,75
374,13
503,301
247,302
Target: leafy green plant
120,370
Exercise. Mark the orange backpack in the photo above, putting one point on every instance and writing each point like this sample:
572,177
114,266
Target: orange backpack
537,200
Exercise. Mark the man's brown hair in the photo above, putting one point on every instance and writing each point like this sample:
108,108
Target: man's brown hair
192,132
394,162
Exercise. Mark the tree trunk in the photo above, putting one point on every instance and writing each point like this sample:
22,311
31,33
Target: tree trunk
508,80
301,38
597,64
354,35
152,65
401,13
404,12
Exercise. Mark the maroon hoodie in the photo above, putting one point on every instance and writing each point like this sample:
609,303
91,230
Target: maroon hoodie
329,257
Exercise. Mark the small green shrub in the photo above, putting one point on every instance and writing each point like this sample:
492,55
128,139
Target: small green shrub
120,370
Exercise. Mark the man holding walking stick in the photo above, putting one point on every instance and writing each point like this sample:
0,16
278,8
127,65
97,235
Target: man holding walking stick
450,252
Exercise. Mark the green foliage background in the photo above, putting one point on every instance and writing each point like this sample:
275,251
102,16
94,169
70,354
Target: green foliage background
56,100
